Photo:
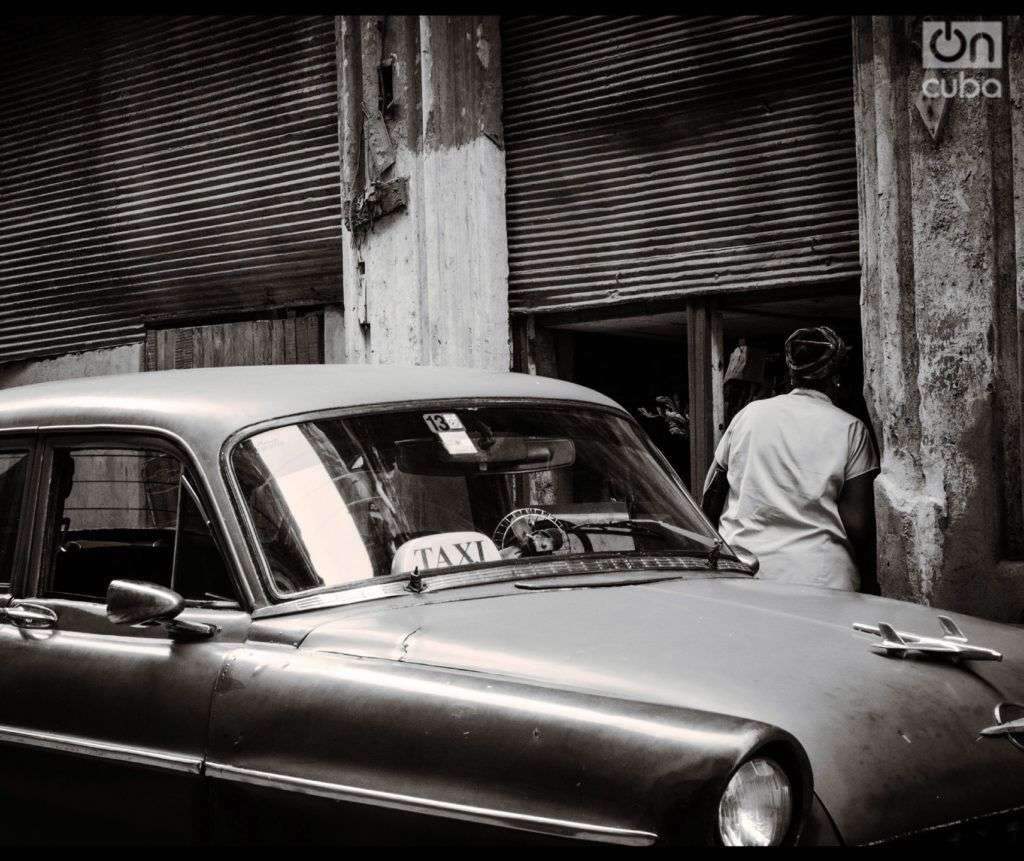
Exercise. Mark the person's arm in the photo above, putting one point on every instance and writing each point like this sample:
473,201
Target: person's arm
716,485
857,511
716,490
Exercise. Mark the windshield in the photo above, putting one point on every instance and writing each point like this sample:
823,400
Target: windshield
337,501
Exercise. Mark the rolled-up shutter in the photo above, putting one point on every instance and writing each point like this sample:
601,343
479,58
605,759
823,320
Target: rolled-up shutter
654,157
157,169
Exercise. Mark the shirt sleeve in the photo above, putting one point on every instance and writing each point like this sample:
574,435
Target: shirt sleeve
722,451
862,457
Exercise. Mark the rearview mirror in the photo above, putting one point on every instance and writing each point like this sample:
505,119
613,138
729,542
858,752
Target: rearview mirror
500,454
136,602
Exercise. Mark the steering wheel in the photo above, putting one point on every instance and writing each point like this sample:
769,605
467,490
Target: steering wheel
534,532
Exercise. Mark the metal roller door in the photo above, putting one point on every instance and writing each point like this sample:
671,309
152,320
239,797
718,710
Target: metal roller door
651,158
156,169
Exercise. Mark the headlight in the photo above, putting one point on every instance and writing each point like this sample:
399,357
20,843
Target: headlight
756,806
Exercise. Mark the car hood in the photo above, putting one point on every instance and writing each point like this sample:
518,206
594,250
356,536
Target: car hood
893,742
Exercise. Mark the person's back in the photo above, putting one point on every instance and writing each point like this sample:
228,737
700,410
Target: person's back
788,458
798,472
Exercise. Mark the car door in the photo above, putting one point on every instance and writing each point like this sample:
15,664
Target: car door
103,727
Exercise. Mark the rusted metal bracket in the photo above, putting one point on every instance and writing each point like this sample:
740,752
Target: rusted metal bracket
378,142
380,199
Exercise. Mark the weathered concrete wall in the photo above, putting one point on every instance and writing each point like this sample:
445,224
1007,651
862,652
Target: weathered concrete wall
93,363
943,288
428,283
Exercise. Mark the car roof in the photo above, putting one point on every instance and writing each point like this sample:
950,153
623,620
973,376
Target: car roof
207,405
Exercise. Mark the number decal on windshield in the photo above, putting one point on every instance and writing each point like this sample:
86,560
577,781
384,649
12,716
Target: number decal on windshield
441,422
451,431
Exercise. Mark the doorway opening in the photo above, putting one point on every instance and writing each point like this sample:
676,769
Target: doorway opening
683,372
647,375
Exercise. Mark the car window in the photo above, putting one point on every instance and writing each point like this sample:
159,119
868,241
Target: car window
200,573
13,474
115,515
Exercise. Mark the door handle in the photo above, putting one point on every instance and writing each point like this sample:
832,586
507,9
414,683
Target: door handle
29,616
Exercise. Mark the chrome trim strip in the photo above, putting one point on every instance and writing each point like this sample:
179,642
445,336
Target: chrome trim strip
451,810
980,817
101,749
395,585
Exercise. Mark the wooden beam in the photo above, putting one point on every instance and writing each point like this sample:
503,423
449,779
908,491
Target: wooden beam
699,365
536,349
718,360
522,336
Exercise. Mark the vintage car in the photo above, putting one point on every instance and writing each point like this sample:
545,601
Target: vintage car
357,604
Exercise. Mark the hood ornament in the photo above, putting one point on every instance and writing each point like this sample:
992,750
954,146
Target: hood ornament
1010,722
953,644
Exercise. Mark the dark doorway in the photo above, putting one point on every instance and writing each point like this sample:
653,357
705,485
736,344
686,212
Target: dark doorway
648,377
641,361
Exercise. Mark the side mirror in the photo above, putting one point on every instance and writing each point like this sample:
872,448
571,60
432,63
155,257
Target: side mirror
135,602
747,558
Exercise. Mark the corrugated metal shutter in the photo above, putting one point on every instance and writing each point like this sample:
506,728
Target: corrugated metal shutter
163,168
651,157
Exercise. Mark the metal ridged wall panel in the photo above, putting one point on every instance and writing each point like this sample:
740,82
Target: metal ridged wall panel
653,157
154,169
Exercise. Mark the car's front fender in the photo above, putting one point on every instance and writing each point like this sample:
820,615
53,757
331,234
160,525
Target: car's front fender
470,748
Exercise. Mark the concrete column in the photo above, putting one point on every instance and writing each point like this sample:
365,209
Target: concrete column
428,282
942,294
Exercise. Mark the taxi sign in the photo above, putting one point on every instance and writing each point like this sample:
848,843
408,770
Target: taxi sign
444,550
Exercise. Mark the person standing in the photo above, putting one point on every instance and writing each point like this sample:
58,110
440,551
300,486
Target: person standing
792,477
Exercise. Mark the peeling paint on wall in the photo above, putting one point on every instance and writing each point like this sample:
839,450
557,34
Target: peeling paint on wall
91,363
433,275
940,317
483,47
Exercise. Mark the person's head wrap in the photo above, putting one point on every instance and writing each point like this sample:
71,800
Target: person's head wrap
814,353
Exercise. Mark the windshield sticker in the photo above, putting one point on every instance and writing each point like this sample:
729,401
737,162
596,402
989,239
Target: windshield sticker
441,422
457,442
444,550
451,432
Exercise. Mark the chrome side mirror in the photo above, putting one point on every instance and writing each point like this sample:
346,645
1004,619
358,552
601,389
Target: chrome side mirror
747,558
135,602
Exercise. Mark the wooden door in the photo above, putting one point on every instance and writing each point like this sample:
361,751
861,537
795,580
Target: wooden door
294,339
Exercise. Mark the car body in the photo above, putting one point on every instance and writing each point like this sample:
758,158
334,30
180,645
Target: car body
602,696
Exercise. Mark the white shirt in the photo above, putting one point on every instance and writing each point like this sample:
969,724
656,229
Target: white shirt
787,458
